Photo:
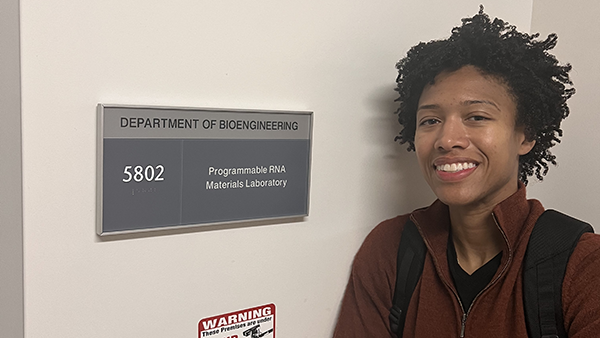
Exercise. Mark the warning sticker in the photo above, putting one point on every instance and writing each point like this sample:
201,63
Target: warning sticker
255,322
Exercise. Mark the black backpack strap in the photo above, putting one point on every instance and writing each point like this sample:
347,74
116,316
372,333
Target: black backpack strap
411,257
554,237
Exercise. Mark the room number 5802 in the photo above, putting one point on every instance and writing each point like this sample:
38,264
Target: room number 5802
140,173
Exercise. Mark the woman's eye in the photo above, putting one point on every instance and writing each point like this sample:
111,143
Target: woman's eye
477,118
428,122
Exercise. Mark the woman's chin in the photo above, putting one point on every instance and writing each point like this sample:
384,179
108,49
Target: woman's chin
455,197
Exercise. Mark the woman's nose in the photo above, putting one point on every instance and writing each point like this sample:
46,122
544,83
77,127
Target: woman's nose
452,134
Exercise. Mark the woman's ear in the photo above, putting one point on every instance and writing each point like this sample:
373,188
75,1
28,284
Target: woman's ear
526,146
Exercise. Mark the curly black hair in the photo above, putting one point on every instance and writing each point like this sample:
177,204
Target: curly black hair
540,86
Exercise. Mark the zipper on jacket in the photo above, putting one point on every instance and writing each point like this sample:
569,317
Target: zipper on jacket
466,313
454,292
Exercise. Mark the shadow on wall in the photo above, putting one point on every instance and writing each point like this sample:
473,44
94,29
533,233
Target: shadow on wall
186,229
398,184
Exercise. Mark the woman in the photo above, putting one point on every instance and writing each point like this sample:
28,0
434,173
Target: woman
481,109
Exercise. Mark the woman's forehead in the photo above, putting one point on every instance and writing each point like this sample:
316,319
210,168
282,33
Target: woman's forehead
467,85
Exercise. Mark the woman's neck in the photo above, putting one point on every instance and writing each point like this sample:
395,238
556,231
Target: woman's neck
476,236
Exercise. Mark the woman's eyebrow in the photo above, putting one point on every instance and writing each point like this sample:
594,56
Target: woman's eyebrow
470,102
428,106
464,103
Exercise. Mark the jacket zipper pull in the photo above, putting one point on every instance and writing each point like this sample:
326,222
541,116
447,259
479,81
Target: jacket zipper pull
462,328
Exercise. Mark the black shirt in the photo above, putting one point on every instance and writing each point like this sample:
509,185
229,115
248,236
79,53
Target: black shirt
469,286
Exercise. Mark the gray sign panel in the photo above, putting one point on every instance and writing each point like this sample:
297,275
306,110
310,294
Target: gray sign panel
173,167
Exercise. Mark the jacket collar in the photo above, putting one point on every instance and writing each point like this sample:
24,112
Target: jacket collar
512,216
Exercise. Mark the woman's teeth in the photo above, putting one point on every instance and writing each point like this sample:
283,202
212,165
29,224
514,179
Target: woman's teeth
454,167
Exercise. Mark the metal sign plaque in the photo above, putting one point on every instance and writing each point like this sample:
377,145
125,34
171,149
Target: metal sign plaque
166,167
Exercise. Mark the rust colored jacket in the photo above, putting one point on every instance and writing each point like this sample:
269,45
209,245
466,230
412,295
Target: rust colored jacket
434,310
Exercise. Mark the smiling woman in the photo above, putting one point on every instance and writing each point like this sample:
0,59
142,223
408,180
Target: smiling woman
481,109
466,117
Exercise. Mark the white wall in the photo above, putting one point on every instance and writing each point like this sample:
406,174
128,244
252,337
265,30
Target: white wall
11,223
335,58
573,185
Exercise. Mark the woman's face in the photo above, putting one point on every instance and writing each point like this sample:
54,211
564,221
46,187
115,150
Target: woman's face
466,141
